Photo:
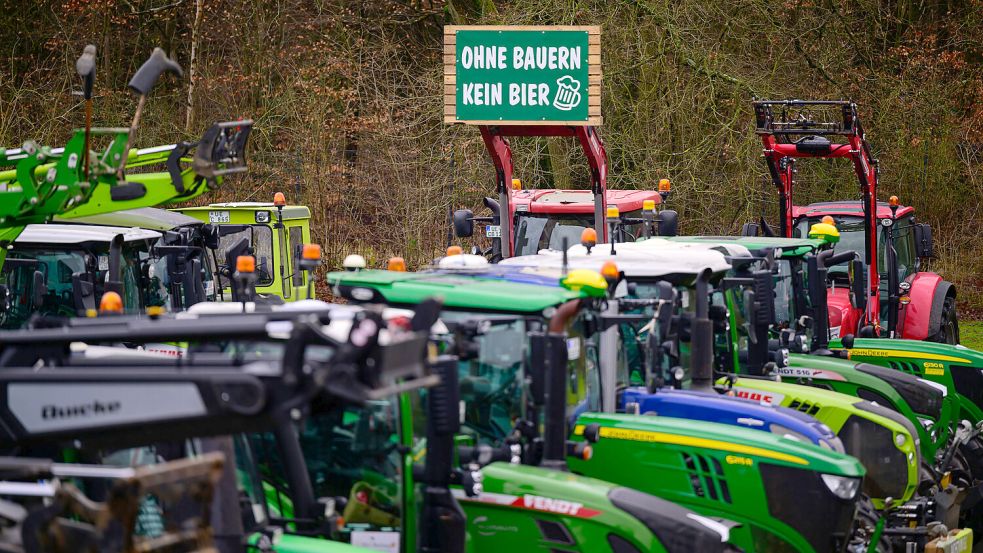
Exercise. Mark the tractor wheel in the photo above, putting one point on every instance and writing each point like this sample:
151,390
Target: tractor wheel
949,327
972,452
864,526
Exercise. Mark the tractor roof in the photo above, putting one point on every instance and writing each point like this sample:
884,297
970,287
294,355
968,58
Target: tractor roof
579,201
847,208
145,217
289,211
652,258
43,234
456,290
791,247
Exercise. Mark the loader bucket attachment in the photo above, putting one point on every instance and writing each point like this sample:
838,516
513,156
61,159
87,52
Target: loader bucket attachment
222,150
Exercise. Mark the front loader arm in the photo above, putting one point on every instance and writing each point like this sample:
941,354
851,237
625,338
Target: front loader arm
220,152
49,182
52,393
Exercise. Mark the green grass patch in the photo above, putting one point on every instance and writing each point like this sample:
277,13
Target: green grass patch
971,334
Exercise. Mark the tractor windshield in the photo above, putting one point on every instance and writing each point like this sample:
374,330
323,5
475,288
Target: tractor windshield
59,269
851,238
541,232
493,381
534,232
257,237
353,458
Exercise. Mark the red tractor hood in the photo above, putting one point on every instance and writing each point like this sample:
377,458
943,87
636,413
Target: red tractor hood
843,317
578,201
846,209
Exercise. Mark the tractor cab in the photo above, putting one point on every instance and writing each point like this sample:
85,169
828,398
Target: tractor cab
522,222
544,218
64,270
273,232
177,274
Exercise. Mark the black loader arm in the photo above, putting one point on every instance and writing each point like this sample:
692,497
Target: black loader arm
130,399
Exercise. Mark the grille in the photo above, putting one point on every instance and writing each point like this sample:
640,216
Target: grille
555,532
798,498
807,407
906,367
706,475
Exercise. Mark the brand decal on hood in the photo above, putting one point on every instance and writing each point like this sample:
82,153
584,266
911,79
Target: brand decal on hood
531,502
51,412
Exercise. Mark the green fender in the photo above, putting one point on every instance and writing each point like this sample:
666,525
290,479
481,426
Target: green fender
958,368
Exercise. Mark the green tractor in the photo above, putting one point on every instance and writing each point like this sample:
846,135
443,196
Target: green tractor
273,232
744,468
39,183
803,327
645,265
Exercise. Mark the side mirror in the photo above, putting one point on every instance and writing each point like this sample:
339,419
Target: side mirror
209,234
924,247
84,292
764,309
40,289
463,223
445,398
750,229
534,368
114,282
668,222
858,284
847,341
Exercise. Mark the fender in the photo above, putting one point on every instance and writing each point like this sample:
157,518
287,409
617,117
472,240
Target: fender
922,317
843,317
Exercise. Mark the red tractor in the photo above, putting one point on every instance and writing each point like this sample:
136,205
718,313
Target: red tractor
894,298
541,219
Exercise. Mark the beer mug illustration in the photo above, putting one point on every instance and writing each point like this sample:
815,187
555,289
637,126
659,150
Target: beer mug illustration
567,93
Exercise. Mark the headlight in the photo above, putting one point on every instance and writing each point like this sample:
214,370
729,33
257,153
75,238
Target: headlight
262,216
842,487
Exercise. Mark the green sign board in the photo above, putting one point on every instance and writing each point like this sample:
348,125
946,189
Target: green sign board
522,75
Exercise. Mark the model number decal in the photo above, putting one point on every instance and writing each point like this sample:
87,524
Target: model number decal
738,460
935,369
801,372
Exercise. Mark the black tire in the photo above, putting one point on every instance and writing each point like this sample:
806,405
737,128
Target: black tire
864,525
948,332
972,451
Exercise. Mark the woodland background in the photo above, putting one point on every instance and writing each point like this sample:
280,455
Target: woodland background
346,95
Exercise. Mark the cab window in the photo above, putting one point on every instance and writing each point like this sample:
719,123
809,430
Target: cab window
296,249
260,238
904,245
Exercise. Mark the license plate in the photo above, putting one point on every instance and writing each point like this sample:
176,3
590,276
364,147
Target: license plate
218,216
493,231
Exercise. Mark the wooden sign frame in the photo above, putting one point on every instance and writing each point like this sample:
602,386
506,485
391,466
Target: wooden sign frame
593,63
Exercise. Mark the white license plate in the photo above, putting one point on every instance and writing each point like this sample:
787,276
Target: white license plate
493,231
218,216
